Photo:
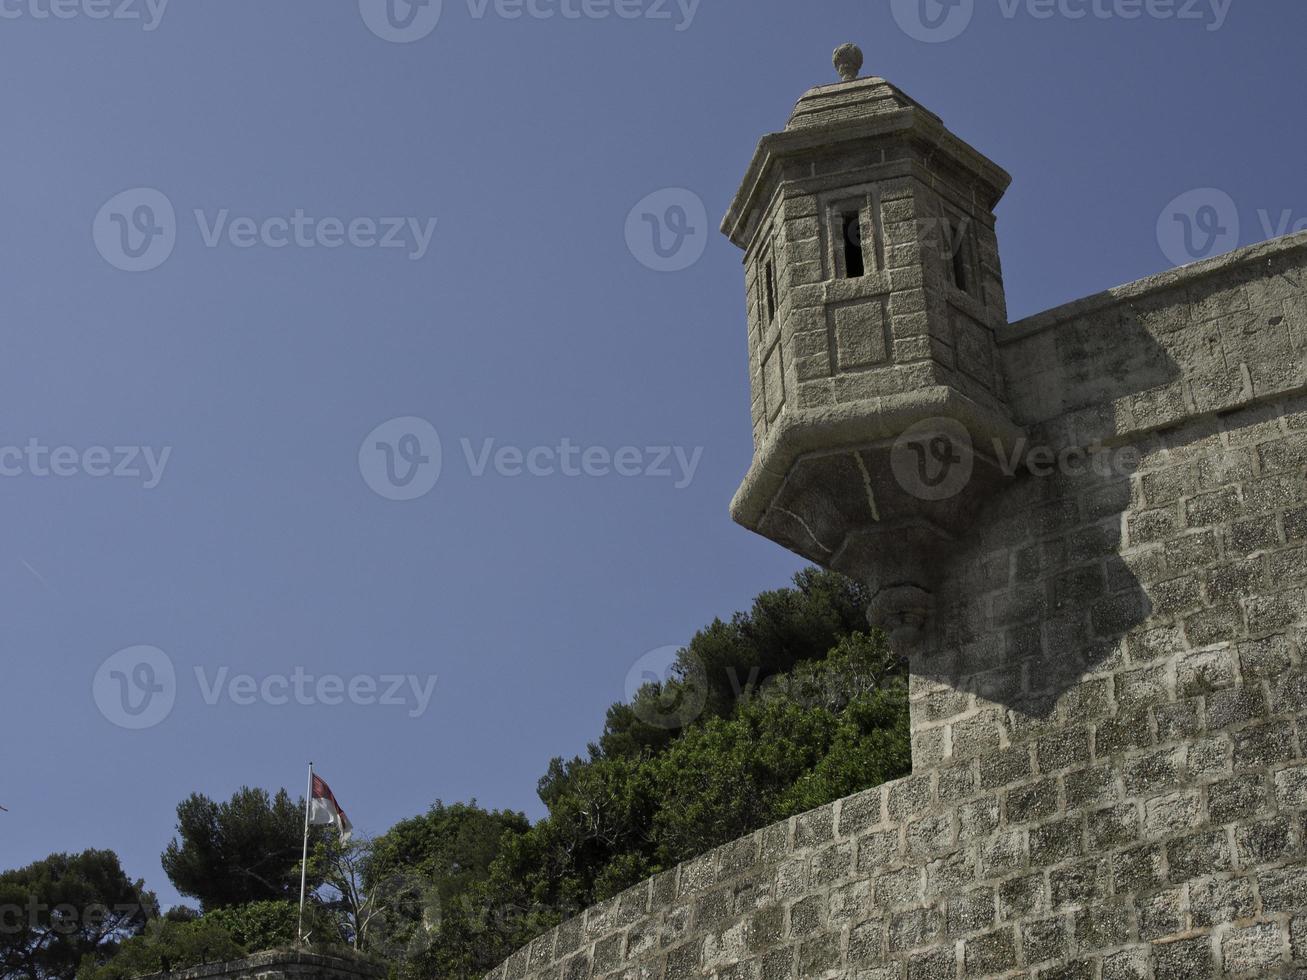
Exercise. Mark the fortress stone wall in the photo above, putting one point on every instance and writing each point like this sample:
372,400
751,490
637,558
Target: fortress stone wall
1108,654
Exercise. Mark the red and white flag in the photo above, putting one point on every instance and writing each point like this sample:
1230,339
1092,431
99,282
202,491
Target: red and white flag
323,809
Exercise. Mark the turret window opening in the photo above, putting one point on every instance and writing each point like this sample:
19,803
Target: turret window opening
855,266
771,291
955,234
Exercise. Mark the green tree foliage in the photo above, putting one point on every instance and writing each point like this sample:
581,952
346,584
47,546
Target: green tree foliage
167,944
780,710
825,730
267,925
55,912
785,627
245,850
181,938
424,881
451,846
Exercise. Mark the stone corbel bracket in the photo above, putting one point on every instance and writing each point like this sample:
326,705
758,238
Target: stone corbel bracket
881,491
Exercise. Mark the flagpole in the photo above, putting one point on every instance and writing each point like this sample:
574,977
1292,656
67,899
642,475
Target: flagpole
304,862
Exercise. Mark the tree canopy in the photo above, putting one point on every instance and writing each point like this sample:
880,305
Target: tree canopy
244,850
57,911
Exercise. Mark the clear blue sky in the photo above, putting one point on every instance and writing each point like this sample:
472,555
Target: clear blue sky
528,320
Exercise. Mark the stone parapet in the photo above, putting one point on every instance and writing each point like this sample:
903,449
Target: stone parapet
282,964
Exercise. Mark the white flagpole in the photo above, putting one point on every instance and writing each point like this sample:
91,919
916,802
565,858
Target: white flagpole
304,863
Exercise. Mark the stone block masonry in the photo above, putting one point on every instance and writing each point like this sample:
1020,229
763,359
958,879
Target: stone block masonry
1109,663
286,964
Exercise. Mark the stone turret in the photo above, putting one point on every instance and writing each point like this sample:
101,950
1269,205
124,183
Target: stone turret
1107,629
874,294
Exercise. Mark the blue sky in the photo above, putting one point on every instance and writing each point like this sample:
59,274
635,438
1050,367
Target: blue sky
504,156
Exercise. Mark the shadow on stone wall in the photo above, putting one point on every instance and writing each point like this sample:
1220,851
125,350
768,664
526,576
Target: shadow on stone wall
1043,593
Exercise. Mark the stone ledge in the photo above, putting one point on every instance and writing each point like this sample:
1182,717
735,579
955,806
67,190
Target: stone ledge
300,961
1140,288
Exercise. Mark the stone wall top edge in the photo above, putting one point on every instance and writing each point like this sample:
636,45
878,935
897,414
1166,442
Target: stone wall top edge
1149,285
271,958
882,791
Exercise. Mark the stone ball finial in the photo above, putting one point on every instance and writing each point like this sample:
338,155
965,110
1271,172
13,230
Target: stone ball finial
848,61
